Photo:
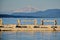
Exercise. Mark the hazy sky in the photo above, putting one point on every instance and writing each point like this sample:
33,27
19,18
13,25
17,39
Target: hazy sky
8,5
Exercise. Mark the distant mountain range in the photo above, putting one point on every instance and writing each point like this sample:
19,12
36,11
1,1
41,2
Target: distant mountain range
50,13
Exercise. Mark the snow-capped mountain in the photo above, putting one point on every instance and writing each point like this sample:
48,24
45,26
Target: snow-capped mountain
26,9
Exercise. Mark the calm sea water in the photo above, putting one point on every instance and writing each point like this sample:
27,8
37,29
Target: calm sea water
14,20
13,35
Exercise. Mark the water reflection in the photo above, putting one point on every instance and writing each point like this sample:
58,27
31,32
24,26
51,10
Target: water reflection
0,35
30,35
